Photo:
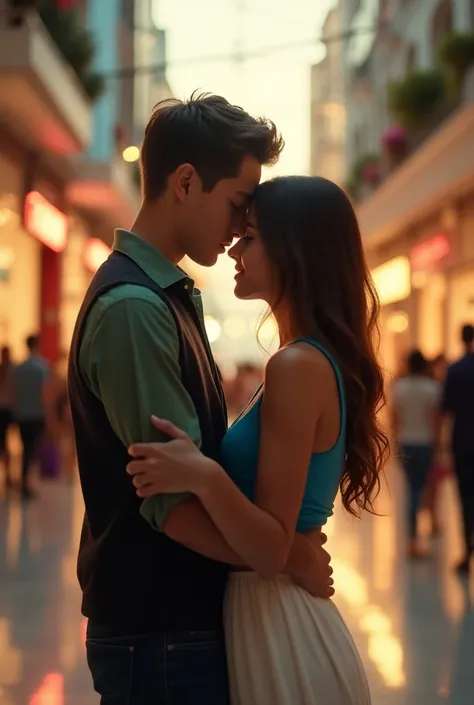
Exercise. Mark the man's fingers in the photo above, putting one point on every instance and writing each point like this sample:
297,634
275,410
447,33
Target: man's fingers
324,539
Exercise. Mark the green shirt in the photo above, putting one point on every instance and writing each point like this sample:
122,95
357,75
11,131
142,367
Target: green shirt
129,358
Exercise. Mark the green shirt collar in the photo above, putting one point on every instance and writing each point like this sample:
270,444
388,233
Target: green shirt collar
152,261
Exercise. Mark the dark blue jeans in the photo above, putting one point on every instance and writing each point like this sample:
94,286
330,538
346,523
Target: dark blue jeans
161,668
416,462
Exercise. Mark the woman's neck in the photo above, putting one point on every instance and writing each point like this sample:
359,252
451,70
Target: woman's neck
288,331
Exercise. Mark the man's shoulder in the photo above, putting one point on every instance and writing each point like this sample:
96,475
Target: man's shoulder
125,293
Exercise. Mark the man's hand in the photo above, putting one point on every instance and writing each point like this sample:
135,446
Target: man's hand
315,574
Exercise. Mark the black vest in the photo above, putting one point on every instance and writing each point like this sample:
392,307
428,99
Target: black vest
132,576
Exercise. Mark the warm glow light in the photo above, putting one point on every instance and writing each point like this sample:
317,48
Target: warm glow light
392,280
398,322
384,648
7,257
131,154
50,692
213,328
268,330
419,279
235,326
95,254
45,222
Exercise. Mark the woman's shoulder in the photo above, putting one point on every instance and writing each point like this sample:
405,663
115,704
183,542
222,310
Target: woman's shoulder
301,363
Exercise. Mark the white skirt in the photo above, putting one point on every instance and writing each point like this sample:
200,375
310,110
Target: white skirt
285,647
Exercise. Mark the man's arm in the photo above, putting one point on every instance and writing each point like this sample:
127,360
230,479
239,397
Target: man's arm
130,360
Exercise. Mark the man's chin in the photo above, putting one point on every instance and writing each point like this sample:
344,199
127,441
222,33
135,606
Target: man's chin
205,261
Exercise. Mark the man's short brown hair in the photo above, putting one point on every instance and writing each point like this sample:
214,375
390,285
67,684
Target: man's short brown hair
207,132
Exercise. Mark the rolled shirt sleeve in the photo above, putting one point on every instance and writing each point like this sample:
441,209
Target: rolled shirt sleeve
130,360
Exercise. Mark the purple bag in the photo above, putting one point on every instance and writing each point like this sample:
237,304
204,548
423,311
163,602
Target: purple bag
50,461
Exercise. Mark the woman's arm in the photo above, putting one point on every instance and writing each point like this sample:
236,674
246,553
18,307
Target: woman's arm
308,563
297,381
263,533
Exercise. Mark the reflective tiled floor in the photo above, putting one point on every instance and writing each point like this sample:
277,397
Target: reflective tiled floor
414,624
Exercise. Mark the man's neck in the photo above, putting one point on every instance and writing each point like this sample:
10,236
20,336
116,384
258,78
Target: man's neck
154,225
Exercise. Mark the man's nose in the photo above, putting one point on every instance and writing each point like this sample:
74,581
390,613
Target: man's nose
238,224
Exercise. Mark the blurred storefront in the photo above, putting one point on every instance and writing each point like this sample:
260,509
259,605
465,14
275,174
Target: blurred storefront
423,213
43,254
20,261
425,282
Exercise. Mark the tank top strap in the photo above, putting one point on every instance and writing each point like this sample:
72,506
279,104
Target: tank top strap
339,380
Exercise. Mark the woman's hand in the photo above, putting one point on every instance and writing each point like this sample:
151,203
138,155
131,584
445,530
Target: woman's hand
170,467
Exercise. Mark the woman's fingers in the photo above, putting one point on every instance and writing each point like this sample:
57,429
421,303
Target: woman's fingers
169,428
141,466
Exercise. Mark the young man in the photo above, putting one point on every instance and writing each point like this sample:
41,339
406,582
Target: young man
140,348
458,403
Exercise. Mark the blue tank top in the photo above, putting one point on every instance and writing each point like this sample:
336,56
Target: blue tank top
239,457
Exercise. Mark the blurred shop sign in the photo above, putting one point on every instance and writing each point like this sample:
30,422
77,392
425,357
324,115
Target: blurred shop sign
428,254
45,222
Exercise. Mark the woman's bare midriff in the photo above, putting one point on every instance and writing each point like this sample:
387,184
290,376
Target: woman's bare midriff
312,534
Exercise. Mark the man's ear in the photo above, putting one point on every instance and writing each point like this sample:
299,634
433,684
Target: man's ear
182,180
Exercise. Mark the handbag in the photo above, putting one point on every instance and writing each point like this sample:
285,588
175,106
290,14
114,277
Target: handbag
50,460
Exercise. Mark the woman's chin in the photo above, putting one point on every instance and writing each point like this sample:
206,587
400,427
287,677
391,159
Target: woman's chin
242,292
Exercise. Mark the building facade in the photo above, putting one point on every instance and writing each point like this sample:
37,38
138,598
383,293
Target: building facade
46,121
64,185
417,216
328,112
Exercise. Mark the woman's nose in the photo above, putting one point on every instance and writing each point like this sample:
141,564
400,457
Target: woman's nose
233,252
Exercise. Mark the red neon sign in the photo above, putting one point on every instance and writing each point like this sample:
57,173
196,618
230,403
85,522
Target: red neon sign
95,254
45,222
429,253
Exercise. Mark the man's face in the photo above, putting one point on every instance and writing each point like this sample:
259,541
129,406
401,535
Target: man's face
210,220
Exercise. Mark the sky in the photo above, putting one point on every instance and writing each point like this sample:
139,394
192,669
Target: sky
275,84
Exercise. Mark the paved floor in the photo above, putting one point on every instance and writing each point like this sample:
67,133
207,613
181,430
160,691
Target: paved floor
414,624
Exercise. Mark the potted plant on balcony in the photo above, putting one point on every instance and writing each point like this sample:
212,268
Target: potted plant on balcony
394,143
75,43
365,176
456,56
412,100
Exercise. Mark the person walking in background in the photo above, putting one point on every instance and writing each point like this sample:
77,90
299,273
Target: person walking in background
30,406
458,405
439,470
414,406
6,409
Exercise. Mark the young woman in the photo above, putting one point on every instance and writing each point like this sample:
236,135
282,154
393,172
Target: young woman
310,429
415,405
6,409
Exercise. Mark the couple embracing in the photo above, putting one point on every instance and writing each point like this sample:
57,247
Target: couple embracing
201,563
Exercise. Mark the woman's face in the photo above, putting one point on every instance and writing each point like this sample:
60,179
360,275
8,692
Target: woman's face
255,276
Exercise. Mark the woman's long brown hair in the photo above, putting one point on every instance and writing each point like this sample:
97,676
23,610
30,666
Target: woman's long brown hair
312,237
